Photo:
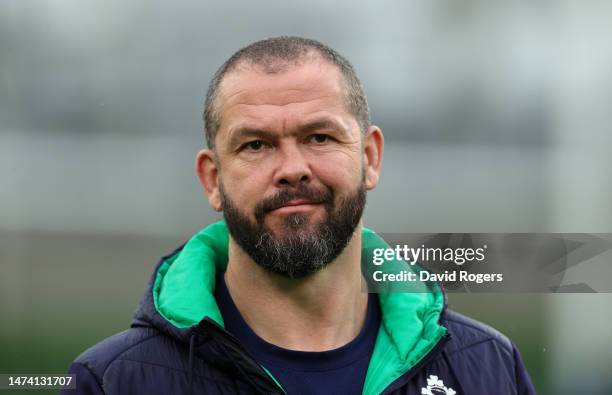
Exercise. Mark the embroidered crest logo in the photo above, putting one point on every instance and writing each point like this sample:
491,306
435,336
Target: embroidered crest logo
435,386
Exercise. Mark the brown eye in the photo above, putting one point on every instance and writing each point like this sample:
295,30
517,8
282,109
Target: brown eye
254,145
319,138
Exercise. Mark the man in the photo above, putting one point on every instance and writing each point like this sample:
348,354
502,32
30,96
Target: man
270,300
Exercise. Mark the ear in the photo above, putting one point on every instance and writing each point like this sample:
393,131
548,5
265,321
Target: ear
373,145
208,173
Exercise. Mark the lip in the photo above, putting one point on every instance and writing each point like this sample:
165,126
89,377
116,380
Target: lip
296,206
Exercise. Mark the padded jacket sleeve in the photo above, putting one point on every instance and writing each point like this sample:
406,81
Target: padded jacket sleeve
524,386
86,383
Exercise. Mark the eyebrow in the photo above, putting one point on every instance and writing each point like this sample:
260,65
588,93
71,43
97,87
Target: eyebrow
245,132
325,123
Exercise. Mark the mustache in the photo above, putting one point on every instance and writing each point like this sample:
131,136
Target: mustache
282,197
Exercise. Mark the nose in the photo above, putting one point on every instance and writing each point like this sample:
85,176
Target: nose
293,168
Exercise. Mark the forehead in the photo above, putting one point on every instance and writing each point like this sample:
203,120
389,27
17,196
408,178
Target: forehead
250,94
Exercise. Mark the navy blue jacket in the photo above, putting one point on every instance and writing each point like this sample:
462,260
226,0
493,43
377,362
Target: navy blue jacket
178,346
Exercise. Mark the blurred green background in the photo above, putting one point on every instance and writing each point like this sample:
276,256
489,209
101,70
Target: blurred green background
496,117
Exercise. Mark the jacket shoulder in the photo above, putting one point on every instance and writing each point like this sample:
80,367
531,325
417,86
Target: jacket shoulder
485,360
467,333
129,342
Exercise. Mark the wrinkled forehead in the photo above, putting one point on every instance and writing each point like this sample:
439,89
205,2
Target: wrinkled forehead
268,85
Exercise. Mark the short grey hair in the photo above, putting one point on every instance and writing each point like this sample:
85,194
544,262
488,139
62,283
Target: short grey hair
275,55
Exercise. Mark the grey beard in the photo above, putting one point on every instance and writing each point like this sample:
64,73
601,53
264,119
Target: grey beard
300,252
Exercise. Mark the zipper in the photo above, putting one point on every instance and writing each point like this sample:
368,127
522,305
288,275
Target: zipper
403,379
210,326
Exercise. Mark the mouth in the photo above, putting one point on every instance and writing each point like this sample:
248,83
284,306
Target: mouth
296,206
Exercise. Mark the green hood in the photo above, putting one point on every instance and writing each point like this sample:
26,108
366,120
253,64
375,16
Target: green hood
408,331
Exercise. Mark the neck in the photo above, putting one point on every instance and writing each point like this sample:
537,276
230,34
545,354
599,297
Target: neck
321,312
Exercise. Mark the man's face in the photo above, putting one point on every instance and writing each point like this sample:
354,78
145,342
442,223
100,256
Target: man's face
290,166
